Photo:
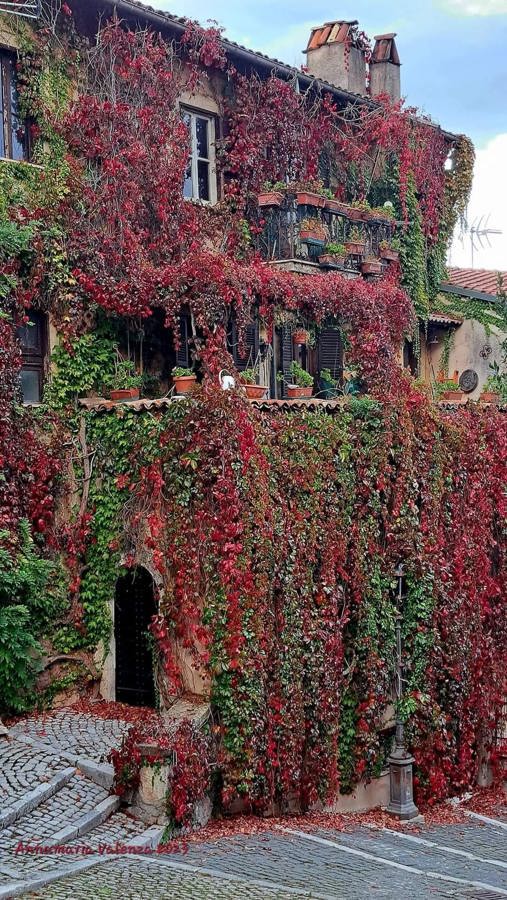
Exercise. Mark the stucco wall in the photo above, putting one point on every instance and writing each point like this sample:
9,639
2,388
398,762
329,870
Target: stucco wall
472,348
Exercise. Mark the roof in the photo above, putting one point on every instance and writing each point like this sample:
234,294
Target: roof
330,33
101,405
436,318
479,283
179,23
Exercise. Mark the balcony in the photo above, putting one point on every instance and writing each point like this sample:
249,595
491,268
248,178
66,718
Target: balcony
295,228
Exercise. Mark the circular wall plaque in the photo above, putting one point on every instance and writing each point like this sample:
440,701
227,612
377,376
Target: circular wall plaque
468,381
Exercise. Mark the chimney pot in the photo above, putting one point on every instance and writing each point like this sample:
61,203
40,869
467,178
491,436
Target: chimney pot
385,67
336,54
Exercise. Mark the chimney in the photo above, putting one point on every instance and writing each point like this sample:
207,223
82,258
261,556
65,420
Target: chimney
336,54
385,68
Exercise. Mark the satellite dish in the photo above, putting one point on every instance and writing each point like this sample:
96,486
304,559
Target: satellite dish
28,9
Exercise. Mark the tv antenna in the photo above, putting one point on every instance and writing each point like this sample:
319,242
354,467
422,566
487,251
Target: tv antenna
28,9
480,232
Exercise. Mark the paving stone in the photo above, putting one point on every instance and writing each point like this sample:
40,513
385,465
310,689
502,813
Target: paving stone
22,769
83,734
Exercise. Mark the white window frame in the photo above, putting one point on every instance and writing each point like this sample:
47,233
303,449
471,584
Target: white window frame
194,159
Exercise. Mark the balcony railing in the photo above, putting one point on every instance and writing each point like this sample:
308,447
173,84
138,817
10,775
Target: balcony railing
282,233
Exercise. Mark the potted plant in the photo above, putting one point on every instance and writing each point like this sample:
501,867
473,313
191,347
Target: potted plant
312,229
355,244
334,255
449,391
371,266
271,195
300,336
385,213
310,194
492,392
184,379
390,250
253,390
126,382
328,384
302,383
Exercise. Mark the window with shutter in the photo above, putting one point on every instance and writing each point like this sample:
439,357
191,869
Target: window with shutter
247,358
286,356
33,340
183,358
330,352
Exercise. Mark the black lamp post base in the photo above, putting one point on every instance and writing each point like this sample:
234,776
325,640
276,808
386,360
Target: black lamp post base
401,803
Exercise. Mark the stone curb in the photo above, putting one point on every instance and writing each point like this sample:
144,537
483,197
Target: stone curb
147,839
101,774
90,820
35,797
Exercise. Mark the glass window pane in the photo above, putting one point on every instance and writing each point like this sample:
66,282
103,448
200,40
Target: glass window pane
188,188
31,385
201,131
2,117
17,126
203,178
30,334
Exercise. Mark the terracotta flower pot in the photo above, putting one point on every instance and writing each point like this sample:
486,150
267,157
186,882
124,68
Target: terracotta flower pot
390,255
371,267
330,259
255,391
335,206
184,383
489,397
354,214
300,336
312,234
270,198
355,248
124,394
309,198
453,396
294,391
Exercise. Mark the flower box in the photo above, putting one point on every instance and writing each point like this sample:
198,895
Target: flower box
124,394
371,267
300,336
355,248
295,392
270,198
389,255
255,391
184,383
452,396
489,397
312,234
308,198
336,206
330,259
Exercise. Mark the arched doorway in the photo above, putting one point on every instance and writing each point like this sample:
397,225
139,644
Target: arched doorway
133,610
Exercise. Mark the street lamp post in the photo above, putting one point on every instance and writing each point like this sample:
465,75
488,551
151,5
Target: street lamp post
401,803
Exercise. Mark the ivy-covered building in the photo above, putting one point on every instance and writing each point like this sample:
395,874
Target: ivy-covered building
219,279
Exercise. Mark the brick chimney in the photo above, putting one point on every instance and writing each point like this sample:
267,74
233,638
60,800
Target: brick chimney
335,54
385,67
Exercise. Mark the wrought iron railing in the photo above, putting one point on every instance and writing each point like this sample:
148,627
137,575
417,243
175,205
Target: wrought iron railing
279,230
29,9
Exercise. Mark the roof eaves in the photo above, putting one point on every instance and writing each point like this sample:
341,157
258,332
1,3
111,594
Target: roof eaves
254,56
467,292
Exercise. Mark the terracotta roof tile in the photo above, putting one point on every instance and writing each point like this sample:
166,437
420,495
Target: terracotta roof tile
385,49
483,280
444,319
330,33
101,405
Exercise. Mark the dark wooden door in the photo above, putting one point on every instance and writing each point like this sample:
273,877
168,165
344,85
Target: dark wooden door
134,607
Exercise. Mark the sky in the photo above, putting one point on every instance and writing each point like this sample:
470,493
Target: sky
454,68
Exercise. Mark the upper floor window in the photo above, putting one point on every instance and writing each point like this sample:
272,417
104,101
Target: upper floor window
13,133
33,339
200,177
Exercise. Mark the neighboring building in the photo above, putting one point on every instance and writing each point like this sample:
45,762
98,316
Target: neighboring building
466,329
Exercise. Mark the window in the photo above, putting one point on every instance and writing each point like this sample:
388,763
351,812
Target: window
200,177
13,133
32,337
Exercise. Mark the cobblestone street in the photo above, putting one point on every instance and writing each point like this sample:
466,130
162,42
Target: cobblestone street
54,785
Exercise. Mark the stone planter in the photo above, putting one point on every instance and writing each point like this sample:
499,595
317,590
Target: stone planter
295,392
184,383
255,391
328,259
270,198
452,396
489,397
124,394
371,267
309,198
355,248
390,255
313,234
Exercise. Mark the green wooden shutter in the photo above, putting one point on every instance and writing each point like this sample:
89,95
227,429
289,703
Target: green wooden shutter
330,349
286,356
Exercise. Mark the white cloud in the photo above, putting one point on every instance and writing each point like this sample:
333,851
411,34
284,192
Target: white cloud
489,198
475,7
